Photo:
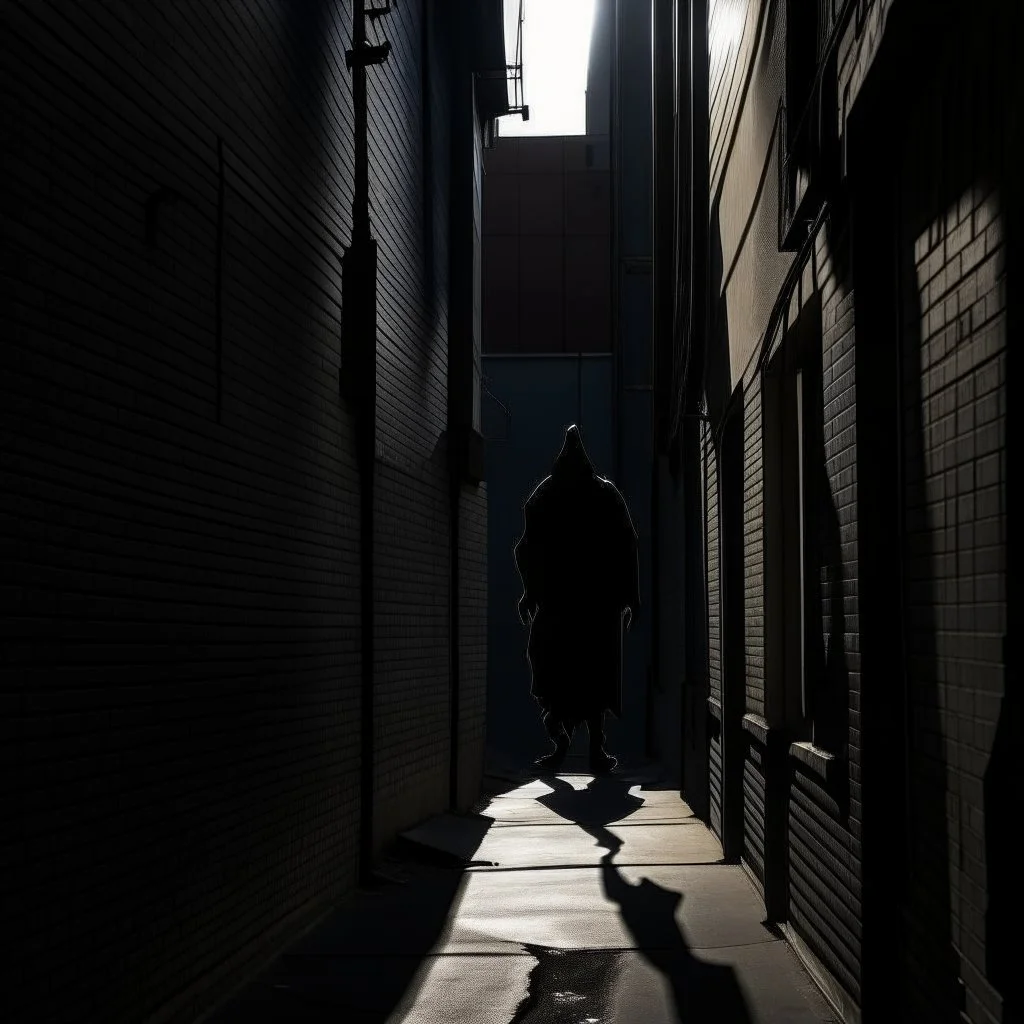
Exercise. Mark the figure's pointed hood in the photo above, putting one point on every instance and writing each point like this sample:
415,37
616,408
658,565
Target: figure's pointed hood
573,460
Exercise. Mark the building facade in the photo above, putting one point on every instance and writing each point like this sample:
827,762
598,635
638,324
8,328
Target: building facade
843,237
244,522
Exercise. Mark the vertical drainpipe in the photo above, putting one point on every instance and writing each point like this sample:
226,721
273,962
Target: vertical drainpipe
615,162
359,384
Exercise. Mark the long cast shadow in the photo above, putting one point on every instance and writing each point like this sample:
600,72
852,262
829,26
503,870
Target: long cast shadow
701,991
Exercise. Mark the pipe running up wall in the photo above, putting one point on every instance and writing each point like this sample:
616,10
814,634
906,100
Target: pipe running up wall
359,382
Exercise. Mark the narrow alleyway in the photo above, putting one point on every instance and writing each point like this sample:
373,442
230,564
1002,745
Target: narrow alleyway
564,899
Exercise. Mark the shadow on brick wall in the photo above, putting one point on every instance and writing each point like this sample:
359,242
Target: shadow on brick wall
944,156
1004,779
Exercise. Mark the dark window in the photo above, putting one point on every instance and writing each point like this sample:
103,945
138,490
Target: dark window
805,622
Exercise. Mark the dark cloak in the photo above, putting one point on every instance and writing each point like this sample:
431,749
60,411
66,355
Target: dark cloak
578,562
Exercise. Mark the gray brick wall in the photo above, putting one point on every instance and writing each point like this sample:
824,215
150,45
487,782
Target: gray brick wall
180,724
412,323
714,619
824,879
840,439
955,406
959,165
824,856
753,548
824,829
754,809
754,768
823,817
412,585
411,684
711,519
472,640
954,488
859,47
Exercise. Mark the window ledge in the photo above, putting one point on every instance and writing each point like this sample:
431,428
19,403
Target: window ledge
758,727
821,762
715,707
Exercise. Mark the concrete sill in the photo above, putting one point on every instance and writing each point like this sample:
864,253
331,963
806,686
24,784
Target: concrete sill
714,718
821,762
758,727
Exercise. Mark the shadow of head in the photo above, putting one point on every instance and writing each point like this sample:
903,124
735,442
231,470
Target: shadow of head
701,991
603,801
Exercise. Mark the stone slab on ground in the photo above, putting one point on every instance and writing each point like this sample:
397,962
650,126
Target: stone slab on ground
455,837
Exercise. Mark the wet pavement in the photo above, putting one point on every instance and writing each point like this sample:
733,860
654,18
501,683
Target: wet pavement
569,899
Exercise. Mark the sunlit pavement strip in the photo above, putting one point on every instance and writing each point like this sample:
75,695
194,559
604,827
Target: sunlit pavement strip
542,932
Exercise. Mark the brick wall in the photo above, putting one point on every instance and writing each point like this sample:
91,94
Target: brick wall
472,640
824,864
412,567
824,878
755,769
714,618
840,445
411,684
858,48
753,548
412,322
817,798
955,156
180,512
754,809
712,554
954,401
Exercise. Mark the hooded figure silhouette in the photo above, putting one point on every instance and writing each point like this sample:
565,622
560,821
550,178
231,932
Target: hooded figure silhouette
578,562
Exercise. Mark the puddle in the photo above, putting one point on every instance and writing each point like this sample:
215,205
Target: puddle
568,986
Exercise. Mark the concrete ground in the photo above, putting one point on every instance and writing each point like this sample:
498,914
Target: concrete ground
566,899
